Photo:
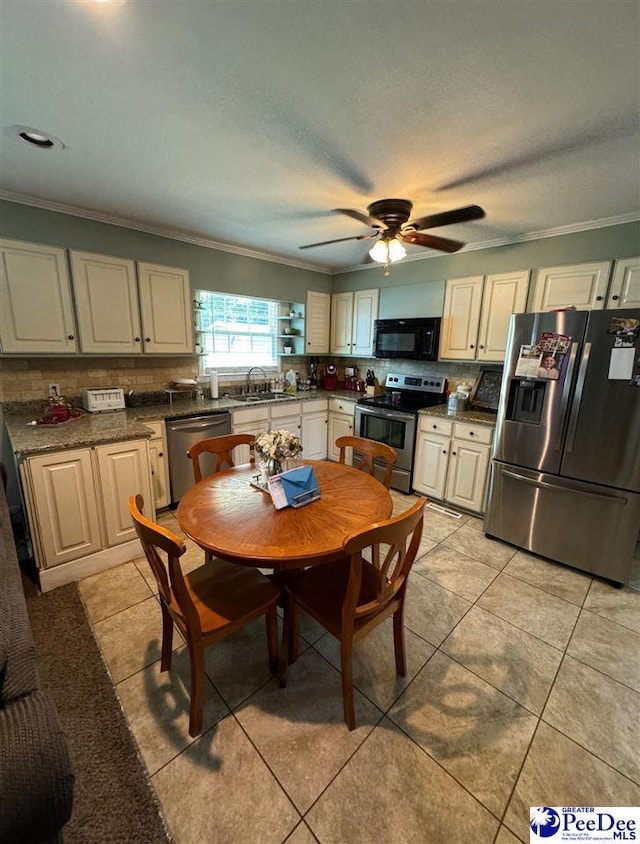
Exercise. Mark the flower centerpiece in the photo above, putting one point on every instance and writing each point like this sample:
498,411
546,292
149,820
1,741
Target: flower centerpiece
273,448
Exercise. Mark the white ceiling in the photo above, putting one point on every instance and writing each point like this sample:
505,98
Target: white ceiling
246,123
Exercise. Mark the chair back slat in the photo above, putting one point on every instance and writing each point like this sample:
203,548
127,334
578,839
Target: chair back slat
157,541
220,448
396,542
366,452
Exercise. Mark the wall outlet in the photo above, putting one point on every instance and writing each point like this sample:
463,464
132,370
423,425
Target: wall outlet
54,391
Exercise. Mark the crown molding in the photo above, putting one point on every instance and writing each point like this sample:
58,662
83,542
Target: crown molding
630,217
173,234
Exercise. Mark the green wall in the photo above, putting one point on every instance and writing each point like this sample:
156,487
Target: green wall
621,241
209,269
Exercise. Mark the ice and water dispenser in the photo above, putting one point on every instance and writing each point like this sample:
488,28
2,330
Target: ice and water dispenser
525,400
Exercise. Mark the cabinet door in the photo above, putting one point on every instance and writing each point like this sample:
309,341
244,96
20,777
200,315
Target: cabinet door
461,318
467,475
124,471
317,323
159,473
365,312
64,505
341,323
625,285
504,294
107,304
165,305
314,436
339,426
582,286
430,469
36,315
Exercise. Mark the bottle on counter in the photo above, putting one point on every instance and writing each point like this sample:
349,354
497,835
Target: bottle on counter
213,384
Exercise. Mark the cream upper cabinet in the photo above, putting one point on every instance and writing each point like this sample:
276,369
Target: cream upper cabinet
475,324
318,307
459,330
365,313
36,314
165,306
341,323
503,294
352,322
625,284
583,286
107,304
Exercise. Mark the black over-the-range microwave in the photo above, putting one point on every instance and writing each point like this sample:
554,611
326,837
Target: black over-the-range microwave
411,338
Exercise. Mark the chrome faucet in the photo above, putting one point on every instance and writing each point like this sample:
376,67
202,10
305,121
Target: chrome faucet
249,376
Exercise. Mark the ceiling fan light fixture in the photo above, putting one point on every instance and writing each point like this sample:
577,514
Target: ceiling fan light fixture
387,250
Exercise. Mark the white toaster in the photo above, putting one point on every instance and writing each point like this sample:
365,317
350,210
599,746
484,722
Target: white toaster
104,398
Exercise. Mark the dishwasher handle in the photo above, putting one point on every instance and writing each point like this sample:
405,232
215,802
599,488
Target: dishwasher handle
199,423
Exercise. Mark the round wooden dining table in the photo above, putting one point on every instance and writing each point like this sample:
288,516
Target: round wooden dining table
226,515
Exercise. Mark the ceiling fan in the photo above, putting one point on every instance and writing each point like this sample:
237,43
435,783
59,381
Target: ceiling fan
390,220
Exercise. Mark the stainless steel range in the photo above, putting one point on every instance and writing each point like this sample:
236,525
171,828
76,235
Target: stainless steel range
393,419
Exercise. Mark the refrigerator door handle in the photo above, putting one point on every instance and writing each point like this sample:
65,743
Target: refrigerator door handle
565,393
611,499
575,411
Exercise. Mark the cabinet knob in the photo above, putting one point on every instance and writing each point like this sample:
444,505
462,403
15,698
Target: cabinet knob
471,346
599,298
137,339
615,298
454,453
147,339
161,454
70,337
444,451
470,433
434,427
481,347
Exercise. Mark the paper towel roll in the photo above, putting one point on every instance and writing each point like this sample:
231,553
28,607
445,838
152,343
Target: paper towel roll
213,384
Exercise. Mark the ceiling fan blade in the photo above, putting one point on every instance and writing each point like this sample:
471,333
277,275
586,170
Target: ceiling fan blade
443,244
363,218
339,240
447,218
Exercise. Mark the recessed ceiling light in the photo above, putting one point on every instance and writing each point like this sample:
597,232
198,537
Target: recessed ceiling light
34,137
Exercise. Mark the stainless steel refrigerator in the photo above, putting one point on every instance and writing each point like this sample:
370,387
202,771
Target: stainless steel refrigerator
565,475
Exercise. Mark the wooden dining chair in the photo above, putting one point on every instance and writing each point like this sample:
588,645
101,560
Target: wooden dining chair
221,448
353,596
206,605
368,451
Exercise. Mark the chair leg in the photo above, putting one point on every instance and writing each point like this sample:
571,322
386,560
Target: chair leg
196,657
271,619
398,641
167,639
346,658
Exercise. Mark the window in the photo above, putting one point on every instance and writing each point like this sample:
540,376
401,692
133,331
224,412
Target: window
236,331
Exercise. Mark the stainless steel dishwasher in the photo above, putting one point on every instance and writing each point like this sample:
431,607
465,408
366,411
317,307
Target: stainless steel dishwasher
182,433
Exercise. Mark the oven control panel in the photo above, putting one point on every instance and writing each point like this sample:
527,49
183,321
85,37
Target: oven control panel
419,383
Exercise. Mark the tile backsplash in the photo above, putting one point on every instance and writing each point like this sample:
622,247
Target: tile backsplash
28,379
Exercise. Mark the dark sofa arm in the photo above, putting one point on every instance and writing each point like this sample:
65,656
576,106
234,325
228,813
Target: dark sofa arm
36,775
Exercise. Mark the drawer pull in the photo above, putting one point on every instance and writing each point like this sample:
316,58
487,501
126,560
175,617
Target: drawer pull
470,433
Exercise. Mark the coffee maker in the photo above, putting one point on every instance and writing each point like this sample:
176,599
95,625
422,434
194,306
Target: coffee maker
330,381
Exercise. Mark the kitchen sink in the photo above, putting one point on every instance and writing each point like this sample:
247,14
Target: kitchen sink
256,397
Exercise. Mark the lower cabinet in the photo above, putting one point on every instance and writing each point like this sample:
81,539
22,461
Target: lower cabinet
77,501
314,429
159,465
452,461
341,414
252,420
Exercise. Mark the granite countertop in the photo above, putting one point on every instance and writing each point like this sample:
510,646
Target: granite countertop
476,415
129,424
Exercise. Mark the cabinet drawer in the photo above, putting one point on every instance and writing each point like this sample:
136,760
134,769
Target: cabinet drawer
314,406
157,428
435,425
286,409
477,433
253,414
342,406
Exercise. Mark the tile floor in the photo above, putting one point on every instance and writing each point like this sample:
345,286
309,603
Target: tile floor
523,688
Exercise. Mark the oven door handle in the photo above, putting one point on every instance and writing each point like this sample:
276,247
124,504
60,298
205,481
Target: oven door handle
396,415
